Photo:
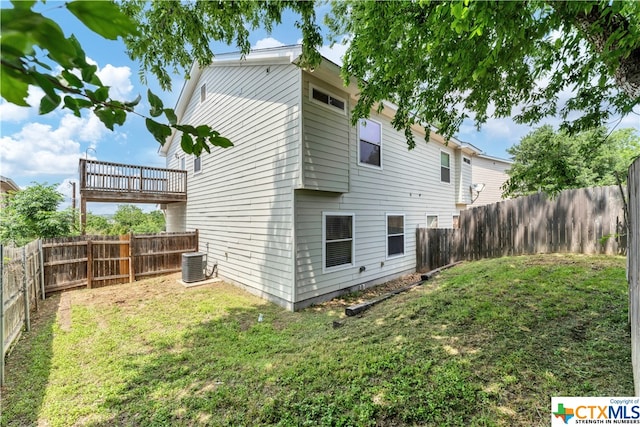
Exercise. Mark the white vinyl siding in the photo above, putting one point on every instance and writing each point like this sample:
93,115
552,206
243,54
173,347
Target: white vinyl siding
325,149
242,201
370,143
493,173
463,179
410,180
395,235
337,240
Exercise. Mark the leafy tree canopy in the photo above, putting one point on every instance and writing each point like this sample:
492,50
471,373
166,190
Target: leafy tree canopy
442,62
33,213
128,218
36,52
550,161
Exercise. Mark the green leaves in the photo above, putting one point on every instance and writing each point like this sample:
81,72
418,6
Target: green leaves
77,86
445,61
103,17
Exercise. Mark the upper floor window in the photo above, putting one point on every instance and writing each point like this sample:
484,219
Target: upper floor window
445,167
203,92
327,99
183,163
395,235
370,145
197,164
338,242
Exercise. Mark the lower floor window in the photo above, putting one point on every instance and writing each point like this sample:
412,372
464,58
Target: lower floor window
338,239
395,235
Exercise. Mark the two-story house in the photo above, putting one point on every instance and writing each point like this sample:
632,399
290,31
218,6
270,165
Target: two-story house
306,206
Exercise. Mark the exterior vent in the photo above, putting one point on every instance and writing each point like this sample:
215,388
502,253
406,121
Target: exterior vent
192,267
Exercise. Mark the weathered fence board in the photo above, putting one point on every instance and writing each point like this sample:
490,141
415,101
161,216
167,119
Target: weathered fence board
20,289
582,221
96,261
633,268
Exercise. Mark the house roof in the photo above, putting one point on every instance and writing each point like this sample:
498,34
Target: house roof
7,184
327,71
495,159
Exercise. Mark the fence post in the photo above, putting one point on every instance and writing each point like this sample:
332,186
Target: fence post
132,267
25,290
89,264
41,258
1,315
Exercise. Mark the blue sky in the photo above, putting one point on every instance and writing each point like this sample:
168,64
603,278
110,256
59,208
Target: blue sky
41,149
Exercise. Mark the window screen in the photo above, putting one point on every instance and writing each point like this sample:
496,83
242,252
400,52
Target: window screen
338,240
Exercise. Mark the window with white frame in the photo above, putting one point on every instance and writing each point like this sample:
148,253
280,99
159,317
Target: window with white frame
445,167
183,163
338,241
370,146
197,164
395,235
325,98
432,221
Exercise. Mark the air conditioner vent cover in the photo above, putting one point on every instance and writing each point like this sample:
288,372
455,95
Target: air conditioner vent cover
192,267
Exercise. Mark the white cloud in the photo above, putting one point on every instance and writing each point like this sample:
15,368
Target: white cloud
267,43
14,113
335,53
118,78
39,149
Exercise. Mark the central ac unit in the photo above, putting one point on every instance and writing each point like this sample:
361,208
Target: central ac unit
192,267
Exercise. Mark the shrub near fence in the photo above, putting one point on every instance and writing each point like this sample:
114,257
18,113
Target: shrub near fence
577,221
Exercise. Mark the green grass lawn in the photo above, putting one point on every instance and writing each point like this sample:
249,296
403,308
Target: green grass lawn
485,343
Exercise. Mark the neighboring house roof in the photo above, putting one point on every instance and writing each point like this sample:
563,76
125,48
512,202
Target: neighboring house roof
327,71
7,184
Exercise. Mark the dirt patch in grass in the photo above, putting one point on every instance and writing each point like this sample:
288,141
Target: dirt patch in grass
369,293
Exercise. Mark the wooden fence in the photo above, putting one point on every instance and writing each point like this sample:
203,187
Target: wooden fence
576,221
20,289
96,261
44,266
633,268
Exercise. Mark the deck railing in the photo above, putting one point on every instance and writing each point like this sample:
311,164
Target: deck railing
117,177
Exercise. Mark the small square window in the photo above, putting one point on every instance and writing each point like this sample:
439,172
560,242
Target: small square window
370,146
445,168
395,235
432,221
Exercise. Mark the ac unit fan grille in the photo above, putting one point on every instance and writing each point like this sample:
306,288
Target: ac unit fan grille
192,267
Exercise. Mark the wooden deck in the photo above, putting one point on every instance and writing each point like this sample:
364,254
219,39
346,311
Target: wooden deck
115,182
119,183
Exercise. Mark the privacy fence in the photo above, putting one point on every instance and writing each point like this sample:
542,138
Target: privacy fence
576,221
45,266
633,268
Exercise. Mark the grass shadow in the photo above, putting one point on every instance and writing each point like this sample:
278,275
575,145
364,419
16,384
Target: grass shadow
28,368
